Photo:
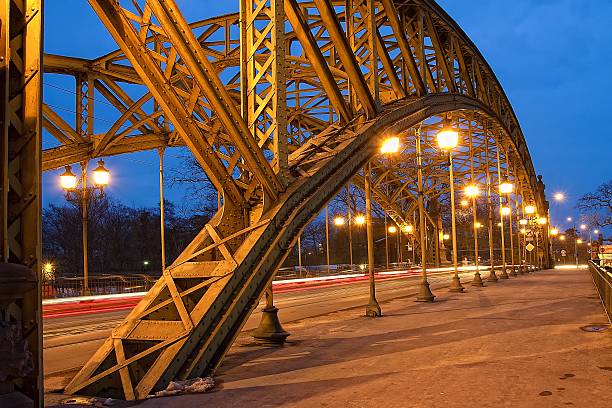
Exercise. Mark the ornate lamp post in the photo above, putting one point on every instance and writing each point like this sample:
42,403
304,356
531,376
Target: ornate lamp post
70,184
472,191
448,139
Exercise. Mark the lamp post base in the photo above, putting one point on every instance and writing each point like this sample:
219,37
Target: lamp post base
503,274
456,286
492,276
373,308
425,294
477,280
513,271
270,331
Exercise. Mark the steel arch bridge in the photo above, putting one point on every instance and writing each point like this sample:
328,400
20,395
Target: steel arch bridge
282,104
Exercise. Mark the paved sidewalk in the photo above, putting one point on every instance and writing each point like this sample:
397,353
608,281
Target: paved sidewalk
517,343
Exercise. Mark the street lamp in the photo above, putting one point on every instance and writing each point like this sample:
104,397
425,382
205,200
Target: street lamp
472,191
408,229
448,139
68,180
392,229
360,220
505,211
559,197
583,227
554,232
69,183
339,221
446,237
506,188
562,238
390,145
101,175
464,203
530,210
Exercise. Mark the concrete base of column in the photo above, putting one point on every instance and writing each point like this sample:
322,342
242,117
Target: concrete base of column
503,274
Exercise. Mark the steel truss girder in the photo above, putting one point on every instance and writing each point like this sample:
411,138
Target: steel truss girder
193,342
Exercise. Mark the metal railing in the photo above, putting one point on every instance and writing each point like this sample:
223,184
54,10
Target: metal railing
62,287
602,277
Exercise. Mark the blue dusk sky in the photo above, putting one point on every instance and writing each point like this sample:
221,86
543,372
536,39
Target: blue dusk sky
553,58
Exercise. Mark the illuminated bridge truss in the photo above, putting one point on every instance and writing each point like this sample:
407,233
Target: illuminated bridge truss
282,104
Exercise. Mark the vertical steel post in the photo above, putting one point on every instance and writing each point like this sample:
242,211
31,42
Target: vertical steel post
513,271
162,222
349,222
386,243
504,273
299,242
84,217
327,238
373,308
477,281
21,70
425,294
518,233
492,276
456,281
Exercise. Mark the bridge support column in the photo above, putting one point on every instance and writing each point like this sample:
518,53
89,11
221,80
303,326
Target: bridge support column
20,201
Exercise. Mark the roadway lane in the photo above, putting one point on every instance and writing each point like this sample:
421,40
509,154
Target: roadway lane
69,341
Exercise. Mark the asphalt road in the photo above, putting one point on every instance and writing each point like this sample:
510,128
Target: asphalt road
69,341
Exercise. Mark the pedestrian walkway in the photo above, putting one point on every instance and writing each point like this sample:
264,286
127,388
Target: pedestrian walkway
524,342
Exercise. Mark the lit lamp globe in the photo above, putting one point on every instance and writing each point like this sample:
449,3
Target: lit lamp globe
390,145
530,209
392,229
101,175
506,188
554,232
360,220
68,180
472,191
448,138
523,222
505,211
562,238
446,237
339,221
542,221
408,229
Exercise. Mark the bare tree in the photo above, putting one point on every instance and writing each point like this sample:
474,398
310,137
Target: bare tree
597,206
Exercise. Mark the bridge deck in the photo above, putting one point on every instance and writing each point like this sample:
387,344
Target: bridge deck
515,343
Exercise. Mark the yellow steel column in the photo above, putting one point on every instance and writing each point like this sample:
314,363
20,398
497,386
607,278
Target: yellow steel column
20,165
